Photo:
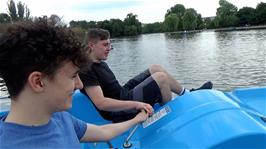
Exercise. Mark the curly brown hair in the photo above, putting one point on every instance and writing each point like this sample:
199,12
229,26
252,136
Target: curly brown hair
37,46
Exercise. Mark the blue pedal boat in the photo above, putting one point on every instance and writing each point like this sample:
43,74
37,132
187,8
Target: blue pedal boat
200,119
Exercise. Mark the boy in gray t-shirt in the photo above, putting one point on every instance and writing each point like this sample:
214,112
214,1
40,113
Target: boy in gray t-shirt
39,63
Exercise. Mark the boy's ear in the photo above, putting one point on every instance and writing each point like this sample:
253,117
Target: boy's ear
91,45
35,81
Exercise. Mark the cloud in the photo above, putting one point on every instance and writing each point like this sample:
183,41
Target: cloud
103,5
148,11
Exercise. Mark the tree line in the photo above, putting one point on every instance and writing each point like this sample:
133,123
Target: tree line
177,18
228,15
128,27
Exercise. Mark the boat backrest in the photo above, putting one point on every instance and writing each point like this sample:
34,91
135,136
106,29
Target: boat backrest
253,98
83,108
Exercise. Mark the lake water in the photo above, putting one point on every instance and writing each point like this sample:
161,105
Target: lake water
229,59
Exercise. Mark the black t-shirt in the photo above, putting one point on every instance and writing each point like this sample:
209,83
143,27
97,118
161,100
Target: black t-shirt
100,74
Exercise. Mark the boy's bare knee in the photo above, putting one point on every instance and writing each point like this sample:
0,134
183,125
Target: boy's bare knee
160,78
156,68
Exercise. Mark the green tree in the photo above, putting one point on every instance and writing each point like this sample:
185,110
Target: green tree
132,24
200,24
81,24
246,16
171,22
105,25
12,10
92,24
117,27
209,23
226,14
23,11
4,18
261,13
152,28
130,30
178,9
190,19
19,12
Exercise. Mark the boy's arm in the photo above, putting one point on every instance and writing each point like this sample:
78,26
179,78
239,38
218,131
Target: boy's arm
109,104
109,131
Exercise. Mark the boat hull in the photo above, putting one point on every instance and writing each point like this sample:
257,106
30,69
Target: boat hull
201,119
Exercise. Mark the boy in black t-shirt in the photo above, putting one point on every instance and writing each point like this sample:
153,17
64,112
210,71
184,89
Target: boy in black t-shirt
120,103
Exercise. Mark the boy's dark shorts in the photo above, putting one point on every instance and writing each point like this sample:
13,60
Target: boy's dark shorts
141,88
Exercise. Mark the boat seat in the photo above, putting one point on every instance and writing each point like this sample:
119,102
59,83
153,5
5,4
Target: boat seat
83,109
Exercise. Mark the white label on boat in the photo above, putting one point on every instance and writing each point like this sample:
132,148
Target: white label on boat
156,116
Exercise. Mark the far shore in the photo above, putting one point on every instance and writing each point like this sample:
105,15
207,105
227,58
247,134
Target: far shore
215,29
240,28
220,29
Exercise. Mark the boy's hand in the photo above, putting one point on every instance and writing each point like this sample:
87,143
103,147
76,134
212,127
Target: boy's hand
141,116
144,106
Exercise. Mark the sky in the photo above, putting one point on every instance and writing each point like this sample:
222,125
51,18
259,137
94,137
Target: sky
148,11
